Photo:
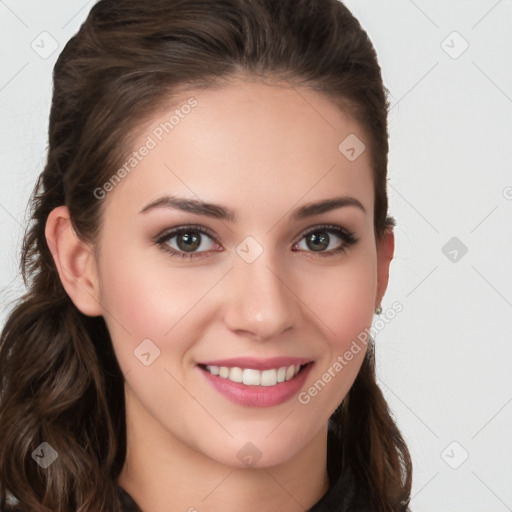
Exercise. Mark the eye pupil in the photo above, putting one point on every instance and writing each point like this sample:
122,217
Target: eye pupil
318,242
188,242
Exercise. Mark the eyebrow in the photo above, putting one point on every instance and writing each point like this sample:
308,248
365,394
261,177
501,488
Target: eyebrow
221,212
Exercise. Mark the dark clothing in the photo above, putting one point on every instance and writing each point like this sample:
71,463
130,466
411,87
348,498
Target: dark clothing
341,496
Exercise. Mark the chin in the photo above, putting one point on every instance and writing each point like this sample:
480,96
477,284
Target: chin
256,451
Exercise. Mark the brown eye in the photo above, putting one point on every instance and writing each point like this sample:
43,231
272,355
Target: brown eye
188,241
317,242
327,240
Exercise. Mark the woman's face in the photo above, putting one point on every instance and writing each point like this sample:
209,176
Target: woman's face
257,283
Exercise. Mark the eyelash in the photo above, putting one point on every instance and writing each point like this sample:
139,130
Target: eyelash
348,239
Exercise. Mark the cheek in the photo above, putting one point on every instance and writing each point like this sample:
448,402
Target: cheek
139,300
345,308
144,297
343,299
131,294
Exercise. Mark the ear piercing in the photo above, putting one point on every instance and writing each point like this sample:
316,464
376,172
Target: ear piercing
378,310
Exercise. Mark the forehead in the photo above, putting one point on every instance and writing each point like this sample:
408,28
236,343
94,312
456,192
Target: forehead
249,145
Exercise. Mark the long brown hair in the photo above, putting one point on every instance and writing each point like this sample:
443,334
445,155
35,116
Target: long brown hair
60,382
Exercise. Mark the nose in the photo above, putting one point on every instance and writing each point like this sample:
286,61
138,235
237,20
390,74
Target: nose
260,303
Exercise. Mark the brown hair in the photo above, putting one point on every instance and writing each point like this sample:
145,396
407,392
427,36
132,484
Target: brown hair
60,381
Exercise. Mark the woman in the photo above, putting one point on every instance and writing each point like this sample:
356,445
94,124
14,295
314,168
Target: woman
210,241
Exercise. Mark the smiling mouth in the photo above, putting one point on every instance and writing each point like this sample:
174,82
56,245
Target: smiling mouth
253,377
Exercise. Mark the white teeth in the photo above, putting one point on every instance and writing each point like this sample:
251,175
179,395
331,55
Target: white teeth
251,377
214,370
236,374
269,377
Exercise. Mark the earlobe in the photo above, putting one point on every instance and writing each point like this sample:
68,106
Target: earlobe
385,251
74,261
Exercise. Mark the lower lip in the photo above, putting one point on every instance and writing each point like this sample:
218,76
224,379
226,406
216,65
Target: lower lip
258,396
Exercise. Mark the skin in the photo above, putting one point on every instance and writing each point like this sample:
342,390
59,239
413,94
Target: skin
262,150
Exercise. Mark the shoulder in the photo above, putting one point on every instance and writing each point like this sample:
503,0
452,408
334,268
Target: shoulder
343,494
127,502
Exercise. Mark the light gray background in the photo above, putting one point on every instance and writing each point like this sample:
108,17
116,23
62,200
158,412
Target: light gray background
445,361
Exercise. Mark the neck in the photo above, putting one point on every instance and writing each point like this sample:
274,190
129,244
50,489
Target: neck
162,473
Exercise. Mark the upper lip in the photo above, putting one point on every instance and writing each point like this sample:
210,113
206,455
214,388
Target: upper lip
257,364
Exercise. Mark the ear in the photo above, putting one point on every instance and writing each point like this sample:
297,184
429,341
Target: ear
75,262
385,251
